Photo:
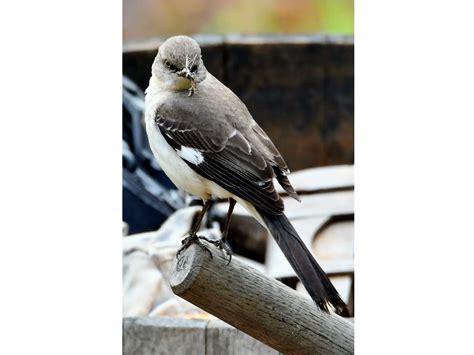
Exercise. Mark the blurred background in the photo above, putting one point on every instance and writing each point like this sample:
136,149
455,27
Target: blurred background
292,63
149,18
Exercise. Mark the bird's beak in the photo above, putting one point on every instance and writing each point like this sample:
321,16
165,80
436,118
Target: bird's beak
186,73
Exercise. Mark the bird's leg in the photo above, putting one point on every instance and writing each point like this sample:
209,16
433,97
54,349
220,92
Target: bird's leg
193,237
222,242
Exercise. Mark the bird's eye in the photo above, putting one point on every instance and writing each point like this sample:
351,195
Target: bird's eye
194,68
171,66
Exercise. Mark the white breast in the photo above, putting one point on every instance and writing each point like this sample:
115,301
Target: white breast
173,164
177,170
171,161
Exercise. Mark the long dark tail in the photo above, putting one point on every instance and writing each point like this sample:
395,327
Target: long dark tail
309,272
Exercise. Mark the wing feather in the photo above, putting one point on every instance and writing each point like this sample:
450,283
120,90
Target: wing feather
232,157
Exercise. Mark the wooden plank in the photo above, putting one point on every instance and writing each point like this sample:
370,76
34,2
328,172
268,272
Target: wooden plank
334,203
324,204
222,338
333,247
293,105
148,336
258,305
343,285
166,335
275,261
321,179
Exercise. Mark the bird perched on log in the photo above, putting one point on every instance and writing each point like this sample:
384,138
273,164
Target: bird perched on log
209,145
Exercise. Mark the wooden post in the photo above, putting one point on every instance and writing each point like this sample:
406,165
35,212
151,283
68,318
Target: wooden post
258,305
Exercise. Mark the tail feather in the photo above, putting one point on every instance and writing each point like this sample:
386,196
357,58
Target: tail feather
307,269
285,183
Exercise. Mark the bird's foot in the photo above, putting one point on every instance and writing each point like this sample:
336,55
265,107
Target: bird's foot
221,244
193,238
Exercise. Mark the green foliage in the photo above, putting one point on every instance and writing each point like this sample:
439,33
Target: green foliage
145,18
249,16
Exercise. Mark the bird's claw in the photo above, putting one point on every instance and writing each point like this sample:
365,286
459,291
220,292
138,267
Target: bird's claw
193,238
221,244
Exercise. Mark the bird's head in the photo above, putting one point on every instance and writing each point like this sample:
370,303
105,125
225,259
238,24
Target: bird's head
178,65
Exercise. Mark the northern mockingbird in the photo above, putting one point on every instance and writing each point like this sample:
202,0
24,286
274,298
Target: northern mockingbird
208,144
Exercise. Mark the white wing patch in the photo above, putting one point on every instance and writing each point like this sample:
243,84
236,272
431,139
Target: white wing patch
191,155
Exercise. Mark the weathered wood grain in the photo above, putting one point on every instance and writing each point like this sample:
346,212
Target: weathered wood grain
275,261
321,179
222,338
147,336
166,335
334,203
300,91
333,247
325,204
258,305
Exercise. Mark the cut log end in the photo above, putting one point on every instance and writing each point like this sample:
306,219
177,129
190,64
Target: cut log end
258,305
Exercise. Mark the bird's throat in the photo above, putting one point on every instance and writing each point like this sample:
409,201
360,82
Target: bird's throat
181,84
